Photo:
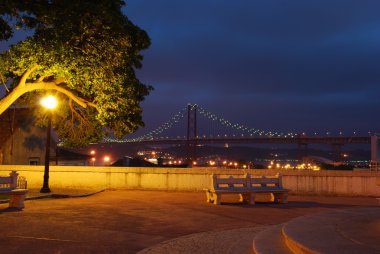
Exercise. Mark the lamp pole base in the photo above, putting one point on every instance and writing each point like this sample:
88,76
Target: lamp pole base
45,190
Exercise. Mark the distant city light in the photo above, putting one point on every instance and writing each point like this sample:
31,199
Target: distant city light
107,158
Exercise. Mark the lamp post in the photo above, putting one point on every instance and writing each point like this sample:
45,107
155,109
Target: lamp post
49,103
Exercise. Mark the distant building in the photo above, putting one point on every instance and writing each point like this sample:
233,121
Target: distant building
66,157
133,162
21,142
24,143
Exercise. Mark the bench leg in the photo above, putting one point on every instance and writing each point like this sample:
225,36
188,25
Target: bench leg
280,198
251,198
17,201
208,197
216,197
243,198
247,198
213,198
285,198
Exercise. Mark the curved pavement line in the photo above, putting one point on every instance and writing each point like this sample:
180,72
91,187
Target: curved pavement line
56,196
222,241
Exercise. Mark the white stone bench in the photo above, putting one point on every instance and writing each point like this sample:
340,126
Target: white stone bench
15,187
268,184
247,187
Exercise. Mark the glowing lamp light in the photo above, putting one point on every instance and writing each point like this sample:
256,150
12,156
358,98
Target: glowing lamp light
107,158
49,102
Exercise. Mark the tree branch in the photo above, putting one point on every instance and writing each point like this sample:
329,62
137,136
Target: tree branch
20,90
26,74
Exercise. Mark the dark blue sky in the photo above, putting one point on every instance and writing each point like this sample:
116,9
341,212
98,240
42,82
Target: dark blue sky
288,66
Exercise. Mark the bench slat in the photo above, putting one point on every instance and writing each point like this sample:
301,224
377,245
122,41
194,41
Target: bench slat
5,180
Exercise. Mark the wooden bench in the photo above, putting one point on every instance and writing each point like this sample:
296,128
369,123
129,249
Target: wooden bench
247,187
15,187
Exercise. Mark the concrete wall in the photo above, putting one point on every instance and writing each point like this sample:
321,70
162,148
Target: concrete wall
349,183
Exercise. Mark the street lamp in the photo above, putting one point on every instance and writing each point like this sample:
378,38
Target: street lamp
107,159
49,103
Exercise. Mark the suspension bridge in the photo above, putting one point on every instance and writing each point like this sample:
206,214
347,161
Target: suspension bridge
183,128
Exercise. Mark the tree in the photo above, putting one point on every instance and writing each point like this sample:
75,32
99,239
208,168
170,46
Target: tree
85,52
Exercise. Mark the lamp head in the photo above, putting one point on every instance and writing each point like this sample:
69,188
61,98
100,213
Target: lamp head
49,102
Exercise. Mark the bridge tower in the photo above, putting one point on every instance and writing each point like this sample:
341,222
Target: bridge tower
191,133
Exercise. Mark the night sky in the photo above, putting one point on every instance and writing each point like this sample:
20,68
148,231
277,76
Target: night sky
287,66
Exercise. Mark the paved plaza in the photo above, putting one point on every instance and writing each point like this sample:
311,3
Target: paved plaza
131,221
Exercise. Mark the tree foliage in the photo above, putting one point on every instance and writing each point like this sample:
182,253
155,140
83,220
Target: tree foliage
86,52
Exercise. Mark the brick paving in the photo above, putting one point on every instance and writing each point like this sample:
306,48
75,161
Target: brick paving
129,221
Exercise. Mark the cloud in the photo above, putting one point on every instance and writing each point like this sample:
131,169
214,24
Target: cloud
309,63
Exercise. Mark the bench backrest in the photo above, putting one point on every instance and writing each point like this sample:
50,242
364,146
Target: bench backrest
12,181
219,182
265,181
